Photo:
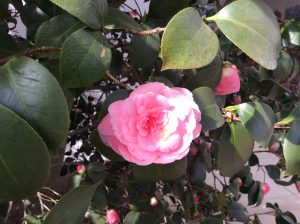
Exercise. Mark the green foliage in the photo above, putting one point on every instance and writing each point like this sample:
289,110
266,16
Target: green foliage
259,120
84,59
56,30
234,150
211,116
117,19
188,42
291,32
245,27
291,149
47,111
24,159
72,206
91,12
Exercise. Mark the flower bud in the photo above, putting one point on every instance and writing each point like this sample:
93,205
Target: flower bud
153,202
265,188
112,217
236,99
80,168
196,198
297,184
194,150
230,80
274,148
238,181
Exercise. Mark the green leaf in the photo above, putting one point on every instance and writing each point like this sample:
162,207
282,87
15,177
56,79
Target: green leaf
32,92
294,115
103,149
72,206
237,211
132,217
160,12
209,75
291,32
273,171
255,31
84,59
253,193
144,50
259,119
155,172
91,12
285,67
291,149
117,19
211,116
235,148
188,42
55,31
24,159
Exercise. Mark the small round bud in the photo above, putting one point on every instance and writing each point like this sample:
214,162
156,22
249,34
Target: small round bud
265,188
153,202
238,181
236,99
80,169
194,150
112,217
274,148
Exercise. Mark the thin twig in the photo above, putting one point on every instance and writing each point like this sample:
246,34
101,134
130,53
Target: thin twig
147,32
118,82
29,53
81,130
282,86
8,211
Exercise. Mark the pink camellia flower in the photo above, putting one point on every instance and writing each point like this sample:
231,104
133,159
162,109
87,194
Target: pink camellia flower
112,217
230,80
265,188
155,124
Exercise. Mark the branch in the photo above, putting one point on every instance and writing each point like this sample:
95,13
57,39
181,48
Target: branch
29,53
118,82
147,32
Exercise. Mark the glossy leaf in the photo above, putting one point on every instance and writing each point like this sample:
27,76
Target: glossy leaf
237,211
291,149
211,116
55,31
132,217
72,206
144,50
253,193
294,115
188,42
291,32
102,148
155,172
32,92
116,19
84,59
160,12
273,171
24,159
209,75
259,119
91,12
255,31
235,148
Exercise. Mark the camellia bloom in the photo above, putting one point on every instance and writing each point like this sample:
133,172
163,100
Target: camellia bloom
230,80
112,217
155,124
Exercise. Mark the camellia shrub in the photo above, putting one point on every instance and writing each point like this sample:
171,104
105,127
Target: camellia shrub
136,109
